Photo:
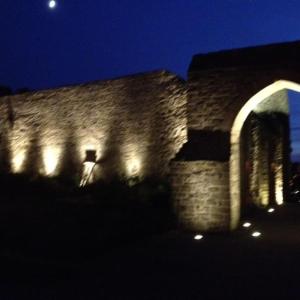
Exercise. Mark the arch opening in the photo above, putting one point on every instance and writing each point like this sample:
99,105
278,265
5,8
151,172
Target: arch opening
247,116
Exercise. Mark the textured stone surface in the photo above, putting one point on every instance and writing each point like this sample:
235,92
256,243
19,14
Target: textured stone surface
201,195
136,125
266,151
219,86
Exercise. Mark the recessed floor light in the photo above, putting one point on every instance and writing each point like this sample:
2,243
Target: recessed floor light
247,224
256,234
198,237
271,209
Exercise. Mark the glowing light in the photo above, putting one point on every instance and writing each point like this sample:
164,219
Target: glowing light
133,167
279,187
279,196
256,234
52,4
198,237
17,161
50,158
247,224
271,209
88,167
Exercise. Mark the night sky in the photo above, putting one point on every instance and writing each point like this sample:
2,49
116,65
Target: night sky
79,41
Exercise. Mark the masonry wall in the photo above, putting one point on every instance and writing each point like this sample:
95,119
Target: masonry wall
219,85
199,190
136,125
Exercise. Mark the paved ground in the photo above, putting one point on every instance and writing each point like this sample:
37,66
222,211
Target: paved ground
175,266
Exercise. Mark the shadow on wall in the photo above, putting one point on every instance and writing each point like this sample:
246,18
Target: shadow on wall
8,123
70,162
33,162
108,166
5,154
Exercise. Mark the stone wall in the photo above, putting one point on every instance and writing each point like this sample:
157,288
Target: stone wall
219,86
221,83
200,191
135,124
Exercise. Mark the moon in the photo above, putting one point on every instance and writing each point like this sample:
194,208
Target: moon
52,4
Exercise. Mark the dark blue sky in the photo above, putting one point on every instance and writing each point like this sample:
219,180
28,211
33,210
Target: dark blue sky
96,39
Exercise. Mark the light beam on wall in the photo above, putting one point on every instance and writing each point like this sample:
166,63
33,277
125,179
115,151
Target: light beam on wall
17,161
279,191
50,159
133,167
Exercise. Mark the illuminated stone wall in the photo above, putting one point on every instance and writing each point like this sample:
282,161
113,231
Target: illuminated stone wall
136,125
141,125
199,190
265,143
219,86
265,155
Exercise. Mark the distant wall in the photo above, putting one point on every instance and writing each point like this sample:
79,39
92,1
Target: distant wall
136,124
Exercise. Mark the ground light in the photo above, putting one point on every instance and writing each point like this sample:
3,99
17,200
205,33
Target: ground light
271,209
247,224
198,237
256,234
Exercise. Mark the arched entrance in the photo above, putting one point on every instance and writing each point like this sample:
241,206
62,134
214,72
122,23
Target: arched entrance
235,157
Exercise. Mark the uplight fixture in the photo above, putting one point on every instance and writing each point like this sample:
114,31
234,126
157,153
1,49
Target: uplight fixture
256,234
247,224
198,237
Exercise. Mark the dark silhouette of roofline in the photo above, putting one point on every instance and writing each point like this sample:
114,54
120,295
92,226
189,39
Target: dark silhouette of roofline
279,54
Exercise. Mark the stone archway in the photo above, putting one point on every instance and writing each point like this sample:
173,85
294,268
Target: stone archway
235,157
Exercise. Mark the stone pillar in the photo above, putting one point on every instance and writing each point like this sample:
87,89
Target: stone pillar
264,171
278,168
201,195
254,155
260,175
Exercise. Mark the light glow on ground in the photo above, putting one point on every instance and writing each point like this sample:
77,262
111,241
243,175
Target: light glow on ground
256,234
247,224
